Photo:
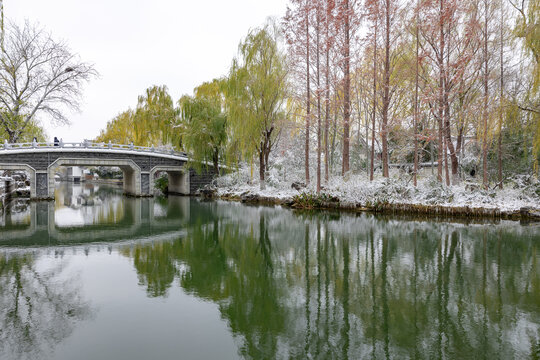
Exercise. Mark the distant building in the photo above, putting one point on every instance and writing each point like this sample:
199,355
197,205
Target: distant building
75,174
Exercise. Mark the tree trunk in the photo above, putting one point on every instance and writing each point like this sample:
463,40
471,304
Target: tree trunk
450,145
327,92
386,96
415,120
366,125
215,160
266,161
261,169
326,130
447,128
334,135
440,146
346,93
440,61
459,141
318,101
374,102
446,172
431,156
267,148
308,89
485,102
501,97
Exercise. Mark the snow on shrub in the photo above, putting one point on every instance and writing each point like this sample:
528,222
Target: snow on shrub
356,189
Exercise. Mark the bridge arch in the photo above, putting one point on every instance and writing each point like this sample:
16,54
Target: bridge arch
132,172
178,178
24,167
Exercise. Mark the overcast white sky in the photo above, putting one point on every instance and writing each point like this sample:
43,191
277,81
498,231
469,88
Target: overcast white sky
135,44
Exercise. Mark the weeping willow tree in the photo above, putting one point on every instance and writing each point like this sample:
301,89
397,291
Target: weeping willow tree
155,118
151,123
255,95
203,125
528,29
120,129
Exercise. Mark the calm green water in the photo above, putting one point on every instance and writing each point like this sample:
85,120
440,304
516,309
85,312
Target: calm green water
98,276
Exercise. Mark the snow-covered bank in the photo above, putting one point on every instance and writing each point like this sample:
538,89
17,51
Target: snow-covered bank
395,193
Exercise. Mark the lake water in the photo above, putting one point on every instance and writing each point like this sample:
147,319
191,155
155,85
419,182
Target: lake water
95,275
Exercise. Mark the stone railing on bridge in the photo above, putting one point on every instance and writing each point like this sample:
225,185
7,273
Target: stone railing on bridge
86,144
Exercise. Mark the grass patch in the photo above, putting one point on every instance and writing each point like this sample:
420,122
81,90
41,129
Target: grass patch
308,200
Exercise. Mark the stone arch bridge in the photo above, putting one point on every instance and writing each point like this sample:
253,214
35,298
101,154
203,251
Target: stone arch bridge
139,165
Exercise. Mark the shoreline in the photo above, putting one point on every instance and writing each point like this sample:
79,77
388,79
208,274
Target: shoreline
526,214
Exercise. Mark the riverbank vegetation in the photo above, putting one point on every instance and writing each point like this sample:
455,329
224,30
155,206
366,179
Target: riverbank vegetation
437,98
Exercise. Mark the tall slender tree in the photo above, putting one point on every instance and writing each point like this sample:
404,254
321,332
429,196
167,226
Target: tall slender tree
345,14
375,16
447,28
298,24
415,116
390,41
307,12
318,4
486,29
501,93
328,45
256,91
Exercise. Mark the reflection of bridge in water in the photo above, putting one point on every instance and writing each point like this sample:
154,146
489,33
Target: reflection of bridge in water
143,217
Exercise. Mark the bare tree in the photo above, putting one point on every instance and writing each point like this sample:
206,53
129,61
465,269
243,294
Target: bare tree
38,76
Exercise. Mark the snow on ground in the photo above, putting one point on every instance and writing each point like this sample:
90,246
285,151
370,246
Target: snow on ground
520,192
241,183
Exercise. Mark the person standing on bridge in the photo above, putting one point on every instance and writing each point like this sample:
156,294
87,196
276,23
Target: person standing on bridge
56,141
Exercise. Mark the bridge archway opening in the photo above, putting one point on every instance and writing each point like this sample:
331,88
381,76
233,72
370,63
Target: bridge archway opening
131,172
10,168
178,177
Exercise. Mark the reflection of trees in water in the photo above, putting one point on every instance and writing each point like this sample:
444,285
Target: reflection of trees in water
110,212
324,286
38,309
155,264
216,262
15,212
